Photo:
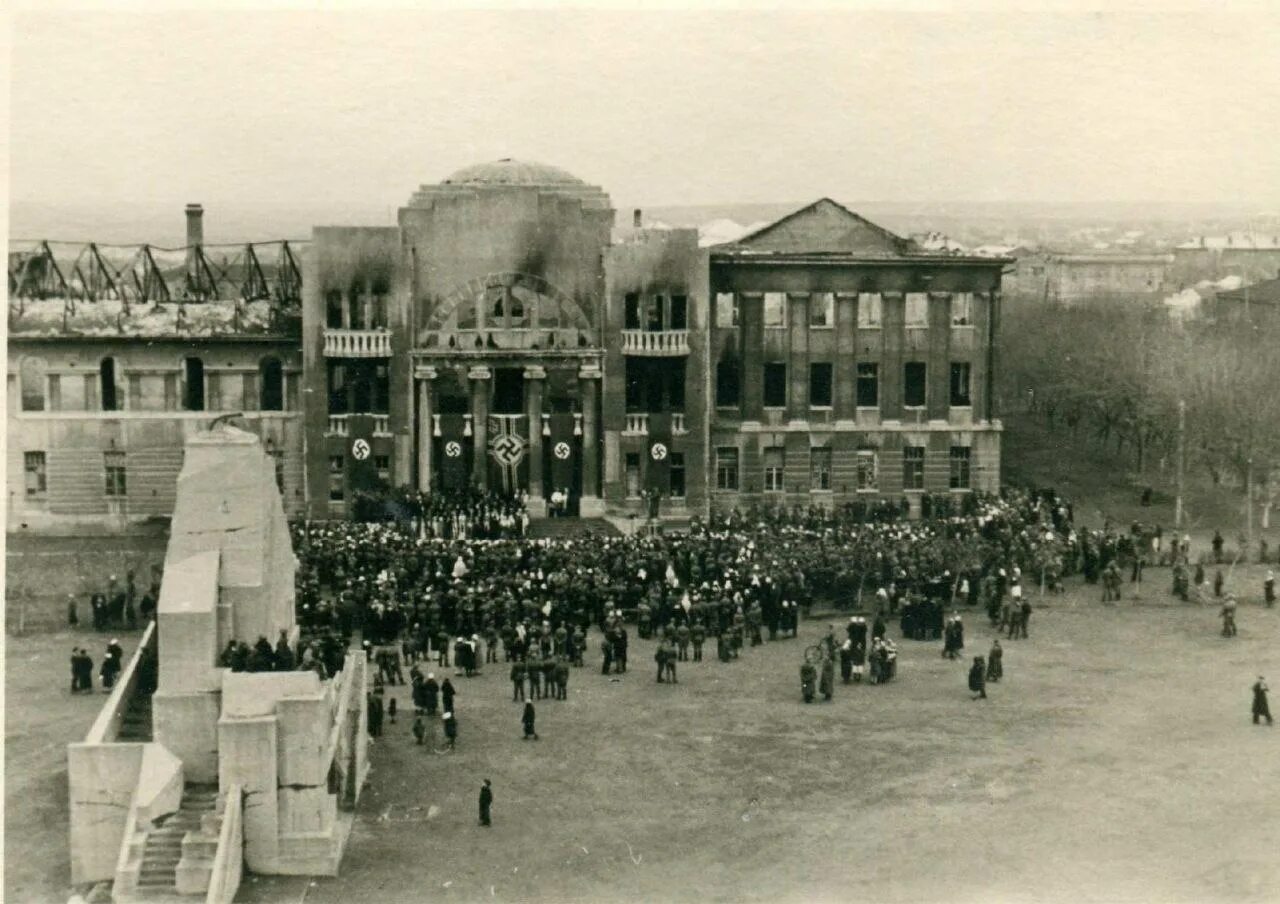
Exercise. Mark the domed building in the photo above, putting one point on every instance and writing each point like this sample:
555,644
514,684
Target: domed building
500,337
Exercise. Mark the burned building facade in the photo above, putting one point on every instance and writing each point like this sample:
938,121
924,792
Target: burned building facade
505,334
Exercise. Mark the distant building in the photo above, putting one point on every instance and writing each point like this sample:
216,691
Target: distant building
1252,256
1067,278
1257,304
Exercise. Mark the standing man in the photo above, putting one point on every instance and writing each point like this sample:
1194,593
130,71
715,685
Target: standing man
1260,708
1269,589
486,802
977,679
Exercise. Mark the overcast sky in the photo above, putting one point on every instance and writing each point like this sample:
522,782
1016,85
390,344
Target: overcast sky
359,108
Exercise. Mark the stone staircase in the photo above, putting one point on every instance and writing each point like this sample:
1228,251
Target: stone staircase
136,725
543,528
178,857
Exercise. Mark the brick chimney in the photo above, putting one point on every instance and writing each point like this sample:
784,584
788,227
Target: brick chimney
195,224
637,219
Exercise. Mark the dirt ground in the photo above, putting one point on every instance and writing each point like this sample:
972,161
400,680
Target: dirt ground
1115,762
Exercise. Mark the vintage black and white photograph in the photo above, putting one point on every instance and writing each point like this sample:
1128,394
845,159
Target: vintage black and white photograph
676,454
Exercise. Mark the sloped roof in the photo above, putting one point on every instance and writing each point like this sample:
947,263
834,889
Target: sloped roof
823,227
1266,292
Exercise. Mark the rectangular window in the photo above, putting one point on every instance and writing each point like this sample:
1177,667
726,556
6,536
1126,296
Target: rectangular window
820,384
913,468
336,468
677,475
632,470
170,392
726,468
959,467
869,310
55,392
33,463
333,310
114,464
135,392
679,312
822,309
728,390
774,460
917,313
914,385
193,384
775,385
868,385
382,464
820,468
382,389
867,470
726,310
962,309
775,310
653,316
338,400
961,380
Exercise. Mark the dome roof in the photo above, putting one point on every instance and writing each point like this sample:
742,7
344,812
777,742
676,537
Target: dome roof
512,172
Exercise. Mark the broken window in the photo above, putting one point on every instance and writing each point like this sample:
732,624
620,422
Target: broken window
31,375
653,316
338,392
632,471
962,309
726,310
822,309
868,385
677,475
679,312
914,387
961,372
869,310
775,385
107,384
917,313
727,384
382,464
820,385
333,309
193,384
270,384
775,310
631,311
34,465
336,467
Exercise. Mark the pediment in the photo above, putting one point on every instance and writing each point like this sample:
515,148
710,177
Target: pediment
824,227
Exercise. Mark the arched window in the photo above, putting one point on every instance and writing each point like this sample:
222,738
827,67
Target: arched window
107,385
193,384
270,385
31,376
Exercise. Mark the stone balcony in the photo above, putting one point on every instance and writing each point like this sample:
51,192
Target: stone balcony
357,343
656,343
638,424
338,425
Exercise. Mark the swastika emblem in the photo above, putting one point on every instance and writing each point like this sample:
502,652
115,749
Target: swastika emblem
360,449
453,449
508,448
659,451
562,451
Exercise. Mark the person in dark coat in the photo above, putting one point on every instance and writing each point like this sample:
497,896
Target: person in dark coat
995,662
447,693
977,679
375,716
808,676
419,727
110,668
1269,589
450,728
528,721
826,684
517,681
72,618
1260,708
431,694
486,802
846,661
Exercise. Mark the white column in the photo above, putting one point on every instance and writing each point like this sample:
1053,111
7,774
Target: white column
425,377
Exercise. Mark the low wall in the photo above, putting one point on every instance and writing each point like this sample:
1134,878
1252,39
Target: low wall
101,778
228,865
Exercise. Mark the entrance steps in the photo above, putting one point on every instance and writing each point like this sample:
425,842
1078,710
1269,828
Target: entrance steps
177,859
544,528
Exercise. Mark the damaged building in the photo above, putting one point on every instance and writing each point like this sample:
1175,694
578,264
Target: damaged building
506,334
